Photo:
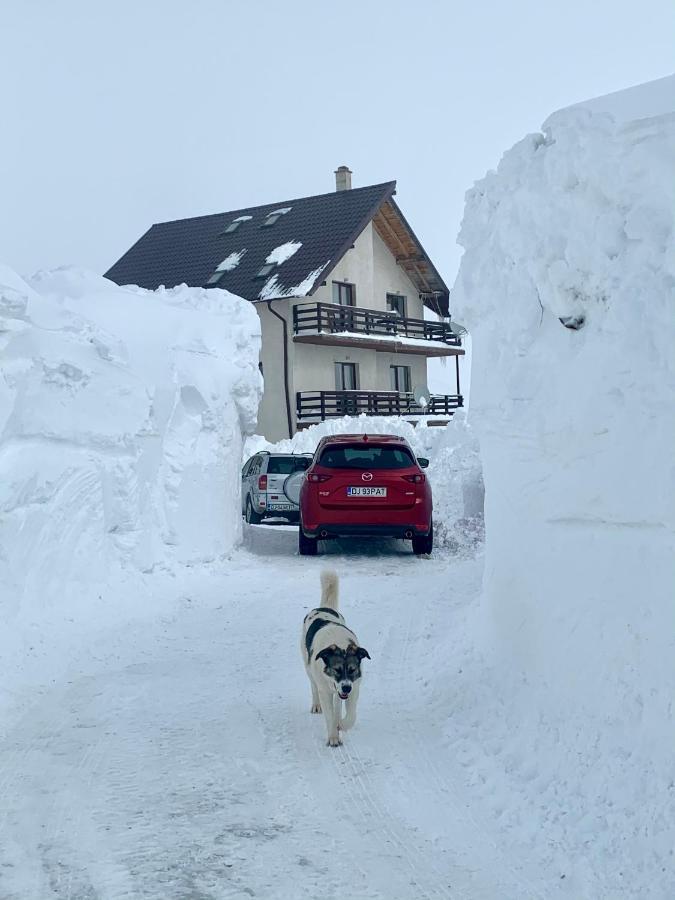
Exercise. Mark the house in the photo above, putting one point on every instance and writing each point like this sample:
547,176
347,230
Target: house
340,282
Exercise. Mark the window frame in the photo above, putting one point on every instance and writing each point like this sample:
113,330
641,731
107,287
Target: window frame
394,371
351,290
404,303
339,378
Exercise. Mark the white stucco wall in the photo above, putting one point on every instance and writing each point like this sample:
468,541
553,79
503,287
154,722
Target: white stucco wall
370,266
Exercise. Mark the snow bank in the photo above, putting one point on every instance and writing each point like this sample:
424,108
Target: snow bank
454,468
122,415
577,429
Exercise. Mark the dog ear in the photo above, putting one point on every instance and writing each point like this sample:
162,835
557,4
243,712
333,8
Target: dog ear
324,654
361,652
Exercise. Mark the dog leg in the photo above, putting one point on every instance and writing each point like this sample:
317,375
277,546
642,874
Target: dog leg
316,704
332,715
350,707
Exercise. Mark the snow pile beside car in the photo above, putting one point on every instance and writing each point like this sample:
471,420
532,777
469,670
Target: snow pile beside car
122,415
567,285
454,468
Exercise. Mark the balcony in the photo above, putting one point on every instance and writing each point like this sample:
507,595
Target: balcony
315,406
354,326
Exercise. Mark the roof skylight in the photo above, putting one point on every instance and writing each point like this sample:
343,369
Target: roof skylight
275,215
235,223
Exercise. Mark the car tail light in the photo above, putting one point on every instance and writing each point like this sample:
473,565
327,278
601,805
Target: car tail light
416,479
315,478
262,483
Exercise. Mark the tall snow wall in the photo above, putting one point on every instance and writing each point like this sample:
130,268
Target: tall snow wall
122,418
577,430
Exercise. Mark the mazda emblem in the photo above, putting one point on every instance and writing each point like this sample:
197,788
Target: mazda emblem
367,476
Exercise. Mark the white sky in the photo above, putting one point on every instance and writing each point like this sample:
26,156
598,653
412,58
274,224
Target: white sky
119,114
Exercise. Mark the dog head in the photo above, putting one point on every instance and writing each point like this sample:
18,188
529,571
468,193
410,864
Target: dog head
343,665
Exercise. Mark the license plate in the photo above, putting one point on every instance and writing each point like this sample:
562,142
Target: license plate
366,492
280,507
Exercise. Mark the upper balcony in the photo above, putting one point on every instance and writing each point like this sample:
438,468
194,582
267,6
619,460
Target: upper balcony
354,326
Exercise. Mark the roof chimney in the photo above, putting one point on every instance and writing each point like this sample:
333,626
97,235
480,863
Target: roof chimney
343,179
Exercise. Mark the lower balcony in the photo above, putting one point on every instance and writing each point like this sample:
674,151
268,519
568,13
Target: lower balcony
315,406
355,326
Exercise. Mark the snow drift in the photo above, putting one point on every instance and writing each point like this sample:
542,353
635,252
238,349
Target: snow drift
454,468
122,415
577,428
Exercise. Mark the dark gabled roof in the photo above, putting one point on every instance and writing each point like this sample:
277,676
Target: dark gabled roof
189,250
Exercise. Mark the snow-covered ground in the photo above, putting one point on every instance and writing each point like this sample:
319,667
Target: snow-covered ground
176,758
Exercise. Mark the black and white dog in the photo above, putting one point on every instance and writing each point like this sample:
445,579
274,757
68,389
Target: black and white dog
332,658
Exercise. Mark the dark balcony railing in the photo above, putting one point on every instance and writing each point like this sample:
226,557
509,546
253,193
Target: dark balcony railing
330,318
330,404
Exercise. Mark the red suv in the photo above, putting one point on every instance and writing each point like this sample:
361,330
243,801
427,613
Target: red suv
365,484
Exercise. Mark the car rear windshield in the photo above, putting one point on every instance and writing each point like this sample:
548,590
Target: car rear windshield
360,457
285,465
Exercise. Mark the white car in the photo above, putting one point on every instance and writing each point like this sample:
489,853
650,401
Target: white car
262,486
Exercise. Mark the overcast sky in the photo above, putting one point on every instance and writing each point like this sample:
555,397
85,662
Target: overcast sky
119,114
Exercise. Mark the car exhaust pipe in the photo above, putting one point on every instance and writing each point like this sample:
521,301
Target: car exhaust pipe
323,534
408,534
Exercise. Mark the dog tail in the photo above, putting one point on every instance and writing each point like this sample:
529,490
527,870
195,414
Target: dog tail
329,589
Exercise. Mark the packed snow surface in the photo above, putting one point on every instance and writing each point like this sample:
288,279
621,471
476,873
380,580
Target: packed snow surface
577,429
122,416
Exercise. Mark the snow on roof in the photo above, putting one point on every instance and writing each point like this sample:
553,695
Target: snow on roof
242,218
280,212
272,290
230,262
283,252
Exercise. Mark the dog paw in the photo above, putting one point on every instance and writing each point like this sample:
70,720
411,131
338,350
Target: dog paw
334,741
316,708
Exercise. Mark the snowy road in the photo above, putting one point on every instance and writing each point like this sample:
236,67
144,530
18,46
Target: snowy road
179,759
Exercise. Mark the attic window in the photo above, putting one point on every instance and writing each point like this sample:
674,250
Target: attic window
235,223
274,216
266,269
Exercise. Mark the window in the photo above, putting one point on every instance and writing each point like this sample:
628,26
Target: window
266,269
346,376
215,278
396,304
343,293
235,223
370,458
286,465
400,378
274,216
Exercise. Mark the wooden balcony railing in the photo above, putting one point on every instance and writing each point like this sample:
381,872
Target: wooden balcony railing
331,404
330,318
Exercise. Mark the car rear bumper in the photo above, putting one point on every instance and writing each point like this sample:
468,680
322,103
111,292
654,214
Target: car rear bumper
345,529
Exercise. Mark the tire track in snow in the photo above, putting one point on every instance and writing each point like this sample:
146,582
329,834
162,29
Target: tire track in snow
519,882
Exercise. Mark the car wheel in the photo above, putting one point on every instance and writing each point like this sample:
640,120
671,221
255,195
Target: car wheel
423,543
307,546
252,517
